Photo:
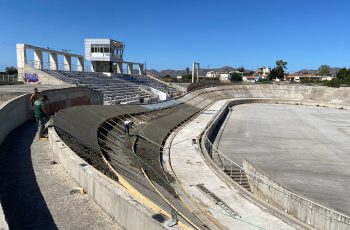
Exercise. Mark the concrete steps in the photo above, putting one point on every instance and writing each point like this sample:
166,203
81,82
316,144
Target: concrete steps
239,176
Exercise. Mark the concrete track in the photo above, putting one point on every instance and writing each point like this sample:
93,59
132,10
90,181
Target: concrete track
305,148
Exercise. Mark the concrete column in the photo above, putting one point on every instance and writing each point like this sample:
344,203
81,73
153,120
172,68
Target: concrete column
197,72
130,68
67,62
21,60
38,59
53,61
141,69
193,72
120,67
80,64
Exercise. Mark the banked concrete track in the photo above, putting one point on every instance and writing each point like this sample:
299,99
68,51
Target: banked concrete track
136,161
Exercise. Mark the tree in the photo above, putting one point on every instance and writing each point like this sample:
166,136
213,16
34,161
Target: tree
278,70
281,64
11,70
324,70
343,74
241,69
187,71
236,76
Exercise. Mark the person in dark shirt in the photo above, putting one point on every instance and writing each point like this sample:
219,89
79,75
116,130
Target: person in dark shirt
40,114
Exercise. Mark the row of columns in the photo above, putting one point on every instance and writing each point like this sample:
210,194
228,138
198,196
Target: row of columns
130,67
53,58
53,61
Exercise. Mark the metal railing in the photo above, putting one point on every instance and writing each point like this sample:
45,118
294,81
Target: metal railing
8,78
226,164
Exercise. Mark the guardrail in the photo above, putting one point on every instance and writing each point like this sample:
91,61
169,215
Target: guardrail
308,211
8,78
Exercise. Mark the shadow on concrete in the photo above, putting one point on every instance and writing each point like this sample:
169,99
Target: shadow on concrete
20,196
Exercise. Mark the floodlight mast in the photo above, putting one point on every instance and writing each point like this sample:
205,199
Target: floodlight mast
195,71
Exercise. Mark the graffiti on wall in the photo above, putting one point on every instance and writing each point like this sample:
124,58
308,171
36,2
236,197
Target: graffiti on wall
31,77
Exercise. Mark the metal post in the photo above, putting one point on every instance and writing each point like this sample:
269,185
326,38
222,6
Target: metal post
193,72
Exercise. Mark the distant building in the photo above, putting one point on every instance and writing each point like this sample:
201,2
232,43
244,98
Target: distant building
179,77
212,74
251,78
225,77
327,78
297,77
263,71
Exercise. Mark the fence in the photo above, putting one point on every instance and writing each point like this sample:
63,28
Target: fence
309,212
8,78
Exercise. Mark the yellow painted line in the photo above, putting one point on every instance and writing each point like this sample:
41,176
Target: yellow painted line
183,226
135,193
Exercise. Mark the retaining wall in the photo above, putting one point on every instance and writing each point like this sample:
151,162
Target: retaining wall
16,111
313,214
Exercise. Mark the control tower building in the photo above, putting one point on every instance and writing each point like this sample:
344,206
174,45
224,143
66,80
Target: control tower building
104,53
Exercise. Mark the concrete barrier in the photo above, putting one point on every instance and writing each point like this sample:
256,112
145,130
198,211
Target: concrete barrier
305,210
16,111
109,195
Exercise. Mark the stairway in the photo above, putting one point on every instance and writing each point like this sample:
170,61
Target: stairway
239,176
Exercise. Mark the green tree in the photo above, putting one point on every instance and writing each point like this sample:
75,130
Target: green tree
281,64
187,71
236,76
241,69
343,74
11,70
278,70
324,70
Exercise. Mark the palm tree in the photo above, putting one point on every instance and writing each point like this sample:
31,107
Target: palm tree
281,64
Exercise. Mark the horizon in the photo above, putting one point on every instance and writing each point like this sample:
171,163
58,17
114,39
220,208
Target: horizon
171,35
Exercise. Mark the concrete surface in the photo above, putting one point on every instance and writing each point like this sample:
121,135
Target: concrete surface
306,149
111,196
35,194
191,169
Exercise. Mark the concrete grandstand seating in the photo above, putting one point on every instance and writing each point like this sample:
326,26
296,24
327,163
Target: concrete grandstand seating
116,90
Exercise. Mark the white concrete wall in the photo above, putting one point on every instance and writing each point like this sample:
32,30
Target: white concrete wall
161,95
313,214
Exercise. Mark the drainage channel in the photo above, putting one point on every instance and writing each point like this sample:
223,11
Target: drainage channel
217,200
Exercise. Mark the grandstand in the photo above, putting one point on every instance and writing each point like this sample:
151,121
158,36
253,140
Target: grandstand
116,87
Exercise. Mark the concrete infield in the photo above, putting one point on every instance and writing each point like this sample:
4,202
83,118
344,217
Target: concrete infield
304,148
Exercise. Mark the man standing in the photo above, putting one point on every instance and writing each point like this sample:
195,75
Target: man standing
40,114
127,126
34,96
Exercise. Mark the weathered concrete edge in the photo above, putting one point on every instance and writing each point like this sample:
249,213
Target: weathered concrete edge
217,170
313,214
110,196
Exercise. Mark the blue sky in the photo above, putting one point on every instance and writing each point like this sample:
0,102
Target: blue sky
173,34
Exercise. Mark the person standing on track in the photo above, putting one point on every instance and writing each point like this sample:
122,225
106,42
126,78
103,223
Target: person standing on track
127,126
40,114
